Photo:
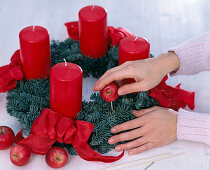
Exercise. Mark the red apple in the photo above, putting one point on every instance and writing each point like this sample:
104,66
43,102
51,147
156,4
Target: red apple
7,137
20,154
56,157
110,92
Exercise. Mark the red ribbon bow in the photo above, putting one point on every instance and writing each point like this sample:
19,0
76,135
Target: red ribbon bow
9,74
50,127
173,97
114,34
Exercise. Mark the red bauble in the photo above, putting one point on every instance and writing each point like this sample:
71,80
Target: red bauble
110,92
7,137
20,155
56,157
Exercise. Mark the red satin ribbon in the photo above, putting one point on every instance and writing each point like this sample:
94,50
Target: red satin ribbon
73,30
9,74
50,127
173,97
114,34
117,34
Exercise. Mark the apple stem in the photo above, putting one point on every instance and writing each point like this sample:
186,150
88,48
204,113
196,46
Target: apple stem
112,107
1,131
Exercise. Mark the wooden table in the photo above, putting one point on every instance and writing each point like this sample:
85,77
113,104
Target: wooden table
164,23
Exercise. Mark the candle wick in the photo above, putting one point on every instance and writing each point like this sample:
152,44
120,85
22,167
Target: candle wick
33,29
65,62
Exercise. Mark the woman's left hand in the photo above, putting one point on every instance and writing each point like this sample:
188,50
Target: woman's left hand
153,127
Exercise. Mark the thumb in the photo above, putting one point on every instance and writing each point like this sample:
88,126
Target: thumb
133,87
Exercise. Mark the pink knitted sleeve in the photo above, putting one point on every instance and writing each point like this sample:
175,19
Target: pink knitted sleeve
194,55
193,126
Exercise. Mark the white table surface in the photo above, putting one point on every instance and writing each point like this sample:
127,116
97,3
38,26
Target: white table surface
164,23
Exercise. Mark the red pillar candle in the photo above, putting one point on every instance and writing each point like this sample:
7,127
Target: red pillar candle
66,89
35,52
133,48
93,31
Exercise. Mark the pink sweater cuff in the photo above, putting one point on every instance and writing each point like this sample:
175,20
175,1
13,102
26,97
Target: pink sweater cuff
194,55
193,126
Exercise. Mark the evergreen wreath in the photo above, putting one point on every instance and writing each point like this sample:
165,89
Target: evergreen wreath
27,100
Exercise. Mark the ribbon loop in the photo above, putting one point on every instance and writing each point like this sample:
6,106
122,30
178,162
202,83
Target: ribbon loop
9,74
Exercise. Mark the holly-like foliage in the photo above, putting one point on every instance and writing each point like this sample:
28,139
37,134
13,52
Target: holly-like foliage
26,101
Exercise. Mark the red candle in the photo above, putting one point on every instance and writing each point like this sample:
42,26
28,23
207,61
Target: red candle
133,48
93,32
66,89
35,52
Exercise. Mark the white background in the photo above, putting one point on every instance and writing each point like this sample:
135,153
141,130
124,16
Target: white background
165,23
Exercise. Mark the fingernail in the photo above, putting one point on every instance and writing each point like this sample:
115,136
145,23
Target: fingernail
117,148
111,141
130,153
113,130
95,87
121,92
134,111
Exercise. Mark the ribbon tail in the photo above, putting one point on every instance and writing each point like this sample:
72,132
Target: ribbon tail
173,97
84,150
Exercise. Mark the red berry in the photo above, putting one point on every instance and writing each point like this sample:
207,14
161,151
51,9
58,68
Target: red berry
110,92
7,137
56,157
20,154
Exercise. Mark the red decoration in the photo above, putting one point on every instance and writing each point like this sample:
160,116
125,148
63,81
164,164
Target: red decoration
66,89
50,127
110,92
73,30
173,97
9,74
115,35
35,52
19,136
93,33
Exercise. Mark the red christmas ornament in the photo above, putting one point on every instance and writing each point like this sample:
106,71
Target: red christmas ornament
110,92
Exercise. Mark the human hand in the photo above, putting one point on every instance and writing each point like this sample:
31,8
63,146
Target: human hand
147,73
153,127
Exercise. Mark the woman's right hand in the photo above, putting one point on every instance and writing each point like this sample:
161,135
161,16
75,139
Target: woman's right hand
147,73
